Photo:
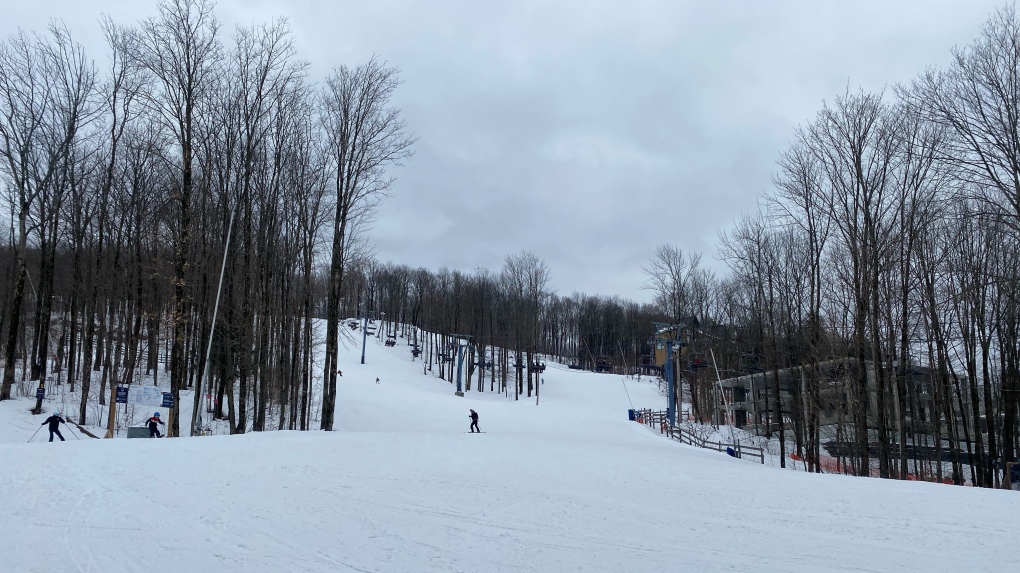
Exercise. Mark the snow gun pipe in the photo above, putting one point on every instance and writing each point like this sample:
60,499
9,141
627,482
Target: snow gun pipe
33,435
622,381
84,431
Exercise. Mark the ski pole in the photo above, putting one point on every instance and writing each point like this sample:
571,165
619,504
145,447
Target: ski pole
72,431
33,435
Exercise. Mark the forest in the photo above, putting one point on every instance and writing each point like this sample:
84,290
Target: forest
191,205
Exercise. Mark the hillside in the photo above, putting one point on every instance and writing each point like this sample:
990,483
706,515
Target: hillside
568,485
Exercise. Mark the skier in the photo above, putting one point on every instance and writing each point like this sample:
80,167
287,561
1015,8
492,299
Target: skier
376,380
54,421
153,428
474,422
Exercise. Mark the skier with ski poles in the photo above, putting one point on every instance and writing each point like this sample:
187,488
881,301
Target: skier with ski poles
153,428
474,422
54,421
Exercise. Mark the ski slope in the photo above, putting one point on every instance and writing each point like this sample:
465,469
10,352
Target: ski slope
568,485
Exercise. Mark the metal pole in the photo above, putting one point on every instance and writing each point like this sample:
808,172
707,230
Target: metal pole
460,370
628,393
364,334
718,380
212,327
671,407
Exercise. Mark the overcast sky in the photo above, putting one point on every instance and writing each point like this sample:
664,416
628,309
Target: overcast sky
586,132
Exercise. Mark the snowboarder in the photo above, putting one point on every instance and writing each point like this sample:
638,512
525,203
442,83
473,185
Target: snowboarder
474,422
54,421
153,427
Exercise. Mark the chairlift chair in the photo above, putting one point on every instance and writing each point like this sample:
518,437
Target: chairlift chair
697,360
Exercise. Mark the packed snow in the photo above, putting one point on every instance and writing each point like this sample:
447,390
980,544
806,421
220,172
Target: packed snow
567,485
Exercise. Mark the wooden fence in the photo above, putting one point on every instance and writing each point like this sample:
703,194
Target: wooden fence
658,418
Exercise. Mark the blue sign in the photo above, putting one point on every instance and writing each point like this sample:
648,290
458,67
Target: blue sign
40,393
122,394
168,399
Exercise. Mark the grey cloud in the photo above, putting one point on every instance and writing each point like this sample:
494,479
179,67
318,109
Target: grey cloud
588,132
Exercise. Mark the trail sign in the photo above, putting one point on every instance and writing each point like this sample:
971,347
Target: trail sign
168,399
145,395
40,393
122,394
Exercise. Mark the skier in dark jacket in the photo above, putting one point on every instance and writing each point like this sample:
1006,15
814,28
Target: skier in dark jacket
54,421
153,428
474,422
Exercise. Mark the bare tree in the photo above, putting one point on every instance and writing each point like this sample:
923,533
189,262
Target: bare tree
180,49
365,136
46,87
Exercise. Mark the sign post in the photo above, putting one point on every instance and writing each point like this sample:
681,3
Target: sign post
168,402
112,414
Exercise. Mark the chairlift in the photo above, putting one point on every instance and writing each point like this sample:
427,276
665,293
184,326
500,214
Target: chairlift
697,360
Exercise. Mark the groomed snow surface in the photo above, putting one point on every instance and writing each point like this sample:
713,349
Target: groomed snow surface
569,485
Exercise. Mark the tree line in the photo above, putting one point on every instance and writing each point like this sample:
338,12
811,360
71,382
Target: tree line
134,184
888,242
512,319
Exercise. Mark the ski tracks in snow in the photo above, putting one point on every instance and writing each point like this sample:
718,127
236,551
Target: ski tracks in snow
90,561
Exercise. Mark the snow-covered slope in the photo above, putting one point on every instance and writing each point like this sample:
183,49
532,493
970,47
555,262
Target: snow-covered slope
568,485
